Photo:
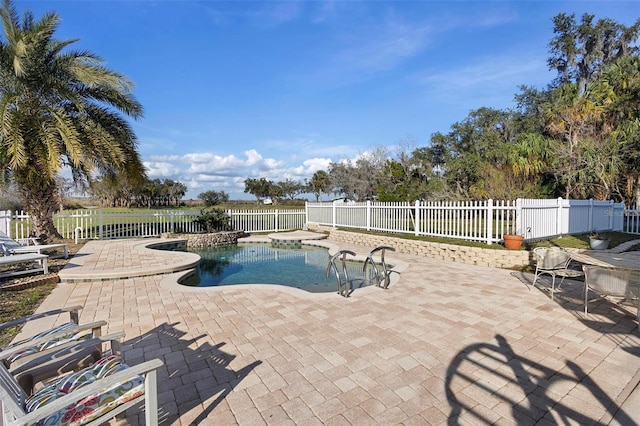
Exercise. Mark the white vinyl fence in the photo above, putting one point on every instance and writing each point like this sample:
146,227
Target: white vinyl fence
98,224
486,221
545,218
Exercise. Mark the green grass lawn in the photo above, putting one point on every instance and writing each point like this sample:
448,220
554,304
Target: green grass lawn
16,304
568,241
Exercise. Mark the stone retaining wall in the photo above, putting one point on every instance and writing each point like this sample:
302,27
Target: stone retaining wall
506,259
208,240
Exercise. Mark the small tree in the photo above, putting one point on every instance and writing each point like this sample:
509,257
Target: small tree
212,198
260,188
290,188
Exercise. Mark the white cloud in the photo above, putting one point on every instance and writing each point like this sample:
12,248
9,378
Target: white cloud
204,171
253,157
312,165
161,170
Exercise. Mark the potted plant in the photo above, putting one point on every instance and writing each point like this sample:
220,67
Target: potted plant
598,241
512,242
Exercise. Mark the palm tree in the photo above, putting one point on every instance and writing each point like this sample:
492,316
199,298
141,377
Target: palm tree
320,184
59,108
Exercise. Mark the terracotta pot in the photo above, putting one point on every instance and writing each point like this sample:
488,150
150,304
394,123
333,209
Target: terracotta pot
513,242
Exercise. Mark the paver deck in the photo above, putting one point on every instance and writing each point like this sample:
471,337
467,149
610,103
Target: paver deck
446,343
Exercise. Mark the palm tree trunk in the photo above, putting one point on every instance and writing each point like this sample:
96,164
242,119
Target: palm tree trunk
41,205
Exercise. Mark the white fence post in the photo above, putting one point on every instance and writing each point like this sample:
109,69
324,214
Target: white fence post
5,222
333,215
416,218
559,226
610,212
518,218
368,216
100,228
489,219
276,220
306,213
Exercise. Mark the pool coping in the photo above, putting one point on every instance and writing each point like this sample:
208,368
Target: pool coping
149,260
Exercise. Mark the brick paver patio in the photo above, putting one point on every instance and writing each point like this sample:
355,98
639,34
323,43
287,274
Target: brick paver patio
447,343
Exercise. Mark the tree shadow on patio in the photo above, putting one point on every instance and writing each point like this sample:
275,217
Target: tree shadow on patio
486,382
195,372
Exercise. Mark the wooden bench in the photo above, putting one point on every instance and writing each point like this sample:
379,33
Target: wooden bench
24,258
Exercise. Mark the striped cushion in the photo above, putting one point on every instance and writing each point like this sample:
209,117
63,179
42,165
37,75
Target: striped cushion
93,406
46,344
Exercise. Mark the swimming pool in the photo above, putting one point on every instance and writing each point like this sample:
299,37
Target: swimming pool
302,267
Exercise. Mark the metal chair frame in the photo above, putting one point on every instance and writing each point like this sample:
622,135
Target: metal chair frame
615,282
554,261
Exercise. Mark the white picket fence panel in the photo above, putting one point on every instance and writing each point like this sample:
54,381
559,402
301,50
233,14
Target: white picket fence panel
266,220
463,220
631,218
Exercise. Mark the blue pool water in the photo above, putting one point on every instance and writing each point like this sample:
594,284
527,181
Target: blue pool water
302,267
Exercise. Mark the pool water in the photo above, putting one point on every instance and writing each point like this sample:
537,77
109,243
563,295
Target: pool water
302,267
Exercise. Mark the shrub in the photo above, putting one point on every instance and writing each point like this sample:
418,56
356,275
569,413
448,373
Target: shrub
213,220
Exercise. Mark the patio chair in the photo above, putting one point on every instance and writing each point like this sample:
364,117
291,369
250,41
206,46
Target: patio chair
554,261
91,396
10,246
51,339
615,282
65,359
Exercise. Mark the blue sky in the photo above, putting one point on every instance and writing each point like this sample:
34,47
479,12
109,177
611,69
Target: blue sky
279,89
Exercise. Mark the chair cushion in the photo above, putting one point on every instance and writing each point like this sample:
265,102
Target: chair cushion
44,345
55,366
93,406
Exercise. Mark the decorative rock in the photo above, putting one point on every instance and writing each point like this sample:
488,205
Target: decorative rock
208,240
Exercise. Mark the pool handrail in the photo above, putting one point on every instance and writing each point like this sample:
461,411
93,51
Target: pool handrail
332,262
385,272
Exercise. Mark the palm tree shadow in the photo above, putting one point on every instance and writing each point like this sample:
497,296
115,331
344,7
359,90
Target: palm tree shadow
194,371
480,366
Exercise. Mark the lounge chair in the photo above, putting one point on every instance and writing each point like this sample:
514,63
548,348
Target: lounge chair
95,394
31,258
10,246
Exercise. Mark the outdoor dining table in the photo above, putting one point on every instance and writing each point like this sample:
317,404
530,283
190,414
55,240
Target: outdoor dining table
629,260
